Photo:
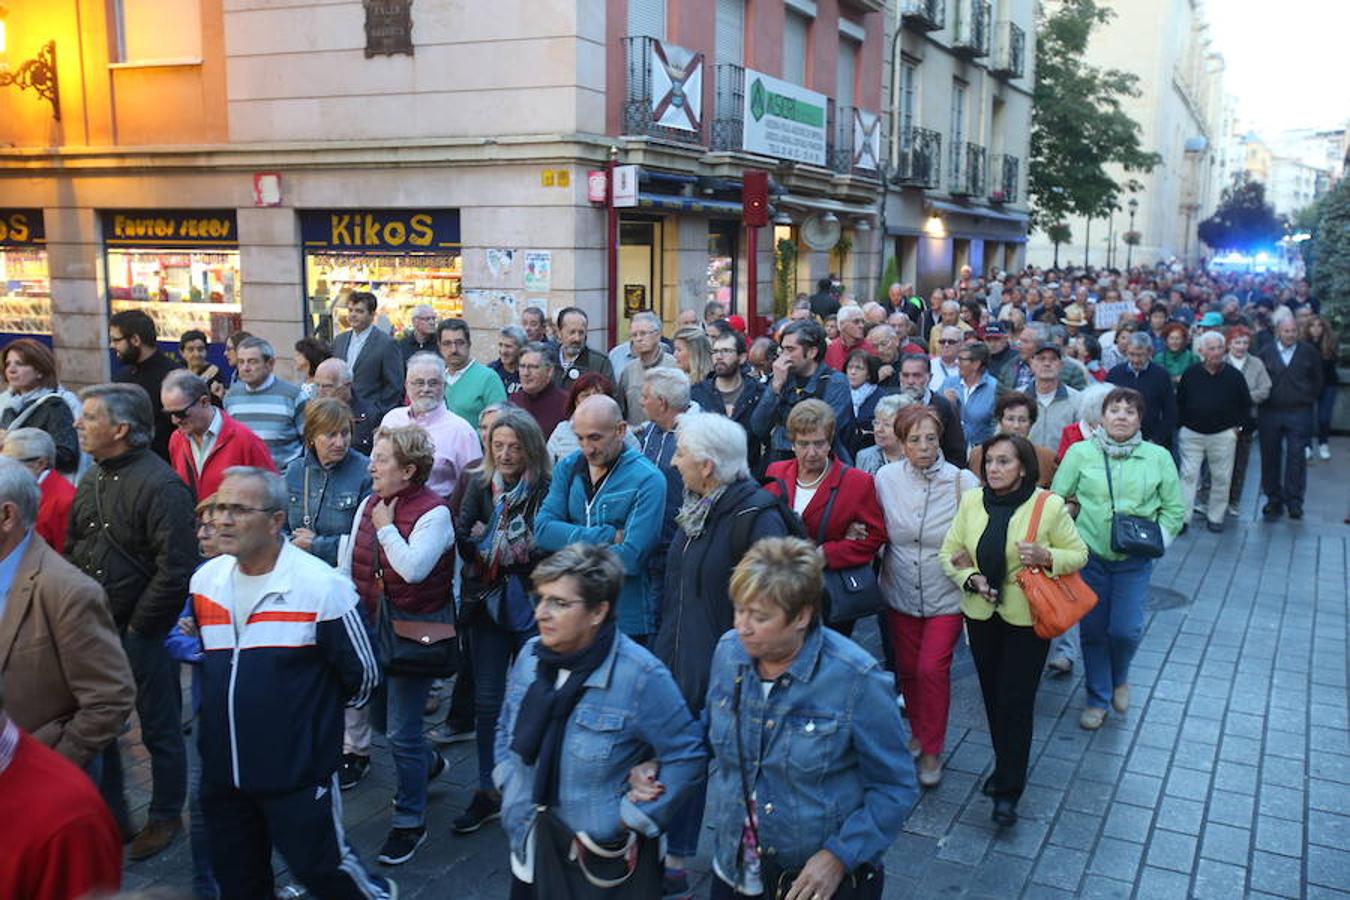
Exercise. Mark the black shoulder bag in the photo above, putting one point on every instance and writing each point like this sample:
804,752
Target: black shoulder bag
850,593
1132,535
413,645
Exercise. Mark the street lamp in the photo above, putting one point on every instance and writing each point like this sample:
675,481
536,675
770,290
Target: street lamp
1129,247
38,73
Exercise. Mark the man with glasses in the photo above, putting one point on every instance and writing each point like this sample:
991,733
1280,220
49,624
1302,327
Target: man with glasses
644,333
729,391
131,530
455,440
206,441
944,364
284,650
798,374
271,408
421,336
132,335
376,361
470,386
333,380
538,395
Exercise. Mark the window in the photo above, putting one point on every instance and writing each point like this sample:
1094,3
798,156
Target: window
647,17
905,102
958,115
795,26
157,30
845,73
730,37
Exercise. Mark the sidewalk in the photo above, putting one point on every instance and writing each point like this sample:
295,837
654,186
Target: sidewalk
1229,777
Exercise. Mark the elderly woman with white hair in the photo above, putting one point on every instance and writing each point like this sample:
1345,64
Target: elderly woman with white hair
887,448
722,514
1089,419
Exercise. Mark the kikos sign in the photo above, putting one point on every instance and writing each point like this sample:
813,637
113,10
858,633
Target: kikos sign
170,228
21,228
380,229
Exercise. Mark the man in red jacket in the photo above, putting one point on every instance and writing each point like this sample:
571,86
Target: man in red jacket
206,441
37,451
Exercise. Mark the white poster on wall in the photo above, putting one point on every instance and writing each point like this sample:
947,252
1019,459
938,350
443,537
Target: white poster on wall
783,119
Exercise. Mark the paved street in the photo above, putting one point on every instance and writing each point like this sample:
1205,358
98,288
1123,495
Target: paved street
1229,777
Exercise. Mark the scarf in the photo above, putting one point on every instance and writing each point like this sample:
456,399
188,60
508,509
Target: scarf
509,540
1116,449
693,514
860,395
991,553
545,710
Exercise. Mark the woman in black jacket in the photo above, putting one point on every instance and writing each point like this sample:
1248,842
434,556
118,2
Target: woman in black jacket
35,401
495,536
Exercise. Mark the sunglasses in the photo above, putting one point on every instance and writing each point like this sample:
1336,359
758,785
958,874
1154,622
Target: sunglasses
178,415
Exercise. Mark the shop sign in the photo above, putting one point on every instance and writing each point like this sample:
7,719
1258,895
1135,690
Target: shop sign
388,27
21,228
634,299
170,228
783,119
625,186
380,229
595,186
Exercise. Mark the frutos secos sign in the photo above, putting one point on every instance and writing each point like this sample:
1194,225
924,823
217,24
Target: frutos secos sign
784,120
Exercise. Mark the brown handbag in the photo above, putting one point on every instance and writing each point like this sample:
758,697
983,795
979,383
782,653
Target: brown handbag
1057,602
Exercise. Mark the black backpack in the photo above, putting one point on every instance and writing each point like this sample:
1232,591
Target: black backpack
743,519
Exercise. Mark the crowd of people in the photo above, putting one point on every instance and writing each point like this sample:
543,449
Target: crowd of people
630,575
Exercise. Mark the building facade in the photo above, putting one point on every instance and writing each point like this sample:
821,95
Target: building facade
244,163
958,96
1180,110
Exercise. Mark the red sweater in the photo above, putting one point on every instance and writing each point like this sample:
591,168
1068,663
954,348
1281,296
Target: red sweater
236,445
59,839
856,501
53,518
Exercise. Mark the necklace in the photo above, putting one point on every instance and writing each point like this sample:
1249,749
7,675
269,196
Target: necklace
819,479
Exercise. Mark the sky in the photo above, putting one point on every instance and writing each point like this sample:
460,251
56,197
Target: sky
1285,60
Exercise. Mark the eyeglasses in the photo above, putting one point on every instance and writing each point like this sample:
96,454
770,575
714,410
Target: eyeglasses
177,415
948,341
234,510
965,359
418,384
553,604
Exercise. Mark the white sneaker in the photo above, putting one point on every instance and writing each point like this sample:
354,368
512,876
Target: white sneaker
1234,512
1307,452
1324,451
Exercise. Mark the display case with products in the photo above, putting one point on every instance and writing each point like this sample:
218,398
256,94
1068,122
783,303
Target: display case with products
25,284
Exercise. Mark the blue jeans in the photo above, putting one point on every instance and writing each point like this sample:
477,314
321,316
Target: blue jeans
1326,403
1111,632
492,649
412,754
687,824
203,877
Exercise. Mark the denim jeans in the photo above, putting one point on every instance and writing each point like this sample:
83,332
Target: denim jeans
493,649
412,754
203,876
1112,631
159,706
1326,404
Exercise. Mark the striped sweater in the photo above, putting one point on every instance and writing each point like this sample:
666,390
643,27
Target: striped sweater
274,412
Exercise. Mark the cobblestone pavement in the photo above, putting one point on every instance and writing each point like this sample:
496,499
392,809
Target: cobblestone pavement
1229,777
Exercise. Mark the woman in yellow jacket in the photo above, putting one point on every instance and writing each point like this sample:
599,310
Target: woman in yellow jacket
982,553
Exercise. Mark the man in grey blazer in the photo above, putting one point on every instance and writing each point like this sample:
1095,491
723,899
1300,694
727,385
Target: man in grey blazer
375,358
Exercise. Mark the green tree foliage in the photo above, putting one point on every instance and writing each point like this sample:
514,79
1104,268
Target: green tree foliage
1244,221
889,276
1077,123
1331,256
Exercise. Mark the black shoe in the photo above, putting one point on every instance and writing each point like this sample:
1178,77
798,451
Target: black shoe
1272,511
1005,813
988,787
675,885
1295,512
1215,527
445,733
401,844
436,768
483,808
354,767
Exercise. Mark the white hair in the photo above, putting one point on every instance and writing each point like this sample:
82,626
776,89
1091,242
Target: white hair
669,384
718,439
848,312
647,316
427,358
30,443
338,365
891,404
1090,402
18,486
1209,337
950,304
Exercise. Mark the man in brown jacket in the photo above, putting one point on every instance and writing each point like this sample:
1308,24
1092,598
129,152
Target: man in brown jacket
68,681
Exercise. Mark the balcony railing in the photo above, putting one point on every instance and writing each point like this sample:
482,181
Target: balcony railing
924,15
968,175
920,162
1004,169
1010,53
728,107
972,28
638,104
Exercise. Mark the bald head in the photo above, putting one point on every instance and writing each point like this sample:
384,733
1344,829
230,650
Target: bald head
333,378
600,429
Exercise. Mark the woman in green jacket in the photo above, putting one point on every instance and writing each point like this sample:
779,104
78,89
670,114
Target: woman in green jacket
1176,356
983,551
1144,483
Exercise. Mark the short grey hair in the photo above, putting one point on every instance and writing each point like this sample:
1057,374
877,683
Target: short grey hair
18,486
274,486
669,384
262,345
886,330
949,304
30,444
718,439
848,312
649,317
1091,400
891,404
125,404
544,350
1140,341
515,334
426,358
344,371
192,387
1209,337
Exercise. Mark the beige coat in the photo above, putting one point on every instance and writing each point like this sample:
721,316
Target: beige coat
919,507
67,680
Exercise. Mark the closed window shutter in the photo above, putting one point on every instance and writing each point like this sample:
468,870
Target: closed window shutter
730,38
844,73
647,17
794,47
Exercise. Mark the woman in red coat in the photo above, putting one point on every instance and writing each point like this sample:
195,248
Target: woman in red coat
814,483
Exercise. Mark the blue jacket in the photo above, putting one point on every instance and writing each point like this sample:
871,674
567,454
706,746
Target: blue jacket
632,499
630,711
833,772
977,412
334,495
768,423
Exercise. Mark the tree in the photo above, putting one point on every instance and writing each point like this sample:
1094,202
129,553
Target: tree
1058,233
1244,221
1331,256
1077,123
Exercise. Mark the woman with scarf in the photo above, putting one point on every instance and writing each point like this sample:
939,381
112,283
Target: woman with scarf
723,513
1142,482
982,553
34,400
919,496
584,704
325,484
495,530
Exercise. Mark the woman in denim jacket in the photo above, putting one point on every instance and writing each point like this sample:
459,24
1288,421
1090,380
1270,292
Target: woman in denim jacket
327,482
802,724
584,704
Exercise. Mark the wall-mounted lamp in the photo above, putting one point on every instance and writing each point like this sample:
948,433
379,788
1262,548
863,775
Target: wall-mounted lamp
862,225
830,218
934,226
38,73
782,219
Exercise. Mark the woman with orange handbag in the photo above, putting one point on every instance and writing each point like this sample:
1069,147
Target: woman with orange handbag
983,552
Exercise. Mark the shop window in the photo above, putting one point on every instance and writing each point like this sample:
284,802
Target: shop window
721,284
153,30
25,285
